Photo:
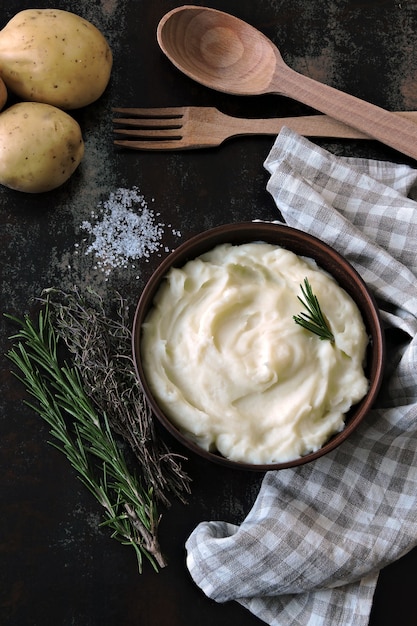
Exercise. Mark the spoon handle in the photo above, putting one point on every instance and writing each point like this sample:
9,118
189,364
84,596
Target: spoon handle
393,130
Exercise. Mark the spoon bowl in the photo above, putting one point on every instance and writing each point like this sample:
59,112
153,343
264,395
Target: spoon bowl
218,50
225,53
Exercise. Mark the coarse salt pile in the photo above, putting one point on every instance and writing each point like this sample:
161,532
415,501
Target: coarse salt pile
124,229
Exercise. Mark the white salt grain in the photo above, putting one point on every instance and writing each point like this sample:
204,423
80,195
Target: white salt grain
124,229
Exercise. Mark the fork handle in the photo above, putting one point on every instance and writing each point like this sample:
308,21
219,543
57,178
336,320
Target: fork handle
308,126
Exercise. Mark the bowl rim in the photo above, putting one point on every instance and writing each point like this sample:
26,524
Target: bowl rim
247,232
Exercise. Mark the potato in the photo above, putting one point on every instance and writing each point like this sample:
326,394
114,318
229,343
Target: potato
3,94
40,147
55,57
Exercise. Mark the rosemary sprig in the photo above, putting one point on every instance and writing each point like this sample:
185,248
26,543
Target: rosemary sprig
129,508
314,320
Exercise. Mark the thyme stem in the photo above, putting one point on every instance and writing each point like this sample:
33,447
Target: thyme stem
100,346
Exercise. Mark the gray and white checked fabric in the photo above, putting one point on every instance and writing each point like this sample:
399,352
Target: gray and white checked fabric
309,551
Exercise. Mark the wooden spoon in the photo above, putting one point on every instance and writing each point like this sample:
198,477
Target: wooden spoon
225,53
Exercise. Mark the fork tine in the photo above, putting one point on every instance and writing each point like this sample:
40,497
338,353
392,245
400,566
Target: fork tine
171,144
154,112
160,133
154,122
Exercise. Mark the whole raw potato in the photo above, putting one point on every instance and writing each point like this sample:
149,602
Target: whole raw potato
54,56
40,147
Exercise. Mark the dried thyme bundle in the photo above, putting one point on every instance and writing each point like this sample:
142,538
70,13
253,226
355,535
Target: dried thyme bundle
100,344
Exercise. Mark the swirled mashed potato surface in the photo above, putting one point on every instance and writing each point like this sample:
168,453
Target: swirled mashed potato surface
232,370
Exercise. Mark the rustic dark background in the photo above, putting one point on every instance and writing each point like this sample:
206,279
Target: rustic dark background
56,565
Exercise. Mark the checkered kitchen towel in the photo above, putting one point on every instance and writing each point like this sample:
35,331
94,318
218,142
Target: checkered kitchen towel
309,551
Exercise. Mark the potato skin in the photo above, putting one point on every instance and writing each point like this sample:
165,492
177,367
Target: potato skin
55,57
40,147
3,94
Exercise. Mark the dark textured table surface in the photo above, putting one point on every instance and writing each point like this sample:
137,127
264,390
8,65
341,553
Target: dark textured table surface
56,565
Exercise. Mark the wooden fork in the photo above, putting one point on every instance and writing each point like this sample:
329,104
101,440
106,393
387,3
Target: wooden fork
185,128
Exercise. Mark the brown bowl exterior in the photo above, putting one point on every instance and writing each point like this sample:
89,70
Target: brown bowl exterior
302,244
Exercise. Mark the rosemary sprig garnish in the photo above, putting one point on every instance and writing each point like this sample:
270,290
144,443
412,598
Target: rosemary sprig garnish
130,510
314,320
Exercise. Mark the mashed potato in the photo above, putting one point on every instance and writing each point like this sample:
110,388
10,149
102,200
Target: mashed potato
233,371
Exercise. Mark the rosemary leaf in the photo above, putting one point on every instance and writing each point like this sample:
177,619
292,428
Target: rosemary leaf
313,321
129,508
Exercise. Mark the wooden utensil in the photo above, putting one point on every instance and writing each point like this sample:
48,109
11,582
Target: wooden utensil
225,53
185,128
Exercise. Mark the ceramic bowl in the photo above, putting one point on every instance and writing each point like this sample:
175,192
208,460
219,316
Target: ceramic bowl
302,244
